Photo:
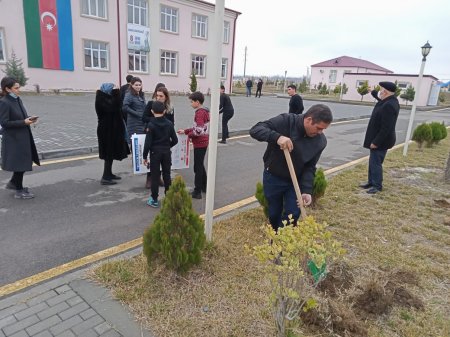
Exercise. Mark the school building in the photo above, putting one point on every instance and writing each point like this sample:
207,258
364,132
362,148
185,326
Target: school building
79,44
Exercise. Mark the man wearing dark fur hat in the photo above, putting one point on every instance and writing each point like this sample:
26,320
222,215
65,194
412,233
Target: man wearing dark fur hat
380,134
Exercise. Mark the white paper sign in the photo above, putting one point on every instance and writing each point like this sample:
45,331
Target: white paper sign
138,37
180,153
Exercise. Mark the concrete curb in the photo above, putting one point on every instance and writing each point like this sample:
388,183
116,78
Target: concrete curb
70,152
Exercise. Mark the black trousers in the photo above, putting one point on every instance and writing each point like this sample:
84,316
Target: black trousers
258,91
199,170
226,116
107,170
159,160
17,180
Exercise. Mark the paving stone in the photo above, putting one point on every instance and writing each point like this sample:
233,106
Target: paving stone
74,301
86,325
42,297
111,333
80,307
61,298
63,289
43,334
21,333
89,333
7,321
66,333
102,328
66,325
21,325
43,325
88,314
31,310
53,310
12,310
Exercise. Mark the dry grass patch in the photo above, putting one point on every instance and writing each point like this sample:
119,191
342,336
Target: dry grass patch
395,280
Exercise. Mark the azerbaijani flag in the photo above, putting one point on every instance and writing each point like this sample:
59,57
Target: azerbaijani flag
48,27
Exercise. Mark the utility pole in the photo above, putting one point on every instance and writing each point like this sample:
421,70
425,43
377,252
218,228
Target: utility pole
245,60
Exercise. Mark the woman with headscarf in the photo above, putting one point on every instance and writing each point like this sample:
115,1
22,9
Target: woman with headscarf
18,148
110,130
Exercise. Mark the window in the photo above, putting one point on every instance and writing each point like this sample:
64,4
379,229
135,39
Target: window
224,71
169,19
332,77
198,65
403,85
95,8
360,83
137,12
137,61
2,47
96,55
226,32
169,62
199,26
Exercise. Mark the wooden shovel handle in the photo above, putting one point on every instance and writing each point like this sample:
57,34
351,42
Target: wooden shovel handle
298,193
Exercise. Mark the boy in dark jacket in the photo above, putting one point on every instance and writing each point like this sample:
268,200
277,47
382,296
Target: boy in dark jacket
199,134
161,136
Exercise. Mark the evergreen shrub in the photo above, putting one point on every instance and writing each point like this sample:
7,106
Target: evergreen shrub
422,134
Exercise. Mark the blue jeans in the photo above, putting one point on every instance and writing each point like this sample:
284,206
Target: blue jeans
375,176
249,91
280,195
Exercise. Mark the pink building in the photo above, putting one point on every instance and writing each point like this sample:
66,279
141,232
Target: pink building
332,71
77,45
429,90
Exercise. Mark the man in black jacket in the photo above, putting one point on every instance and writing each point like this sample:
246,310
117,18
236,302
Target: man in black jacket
227,111
303,136
380,134
296,102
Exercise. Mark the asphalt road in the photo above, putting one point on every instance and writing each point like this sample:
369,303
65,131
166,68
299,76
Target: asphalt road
73,215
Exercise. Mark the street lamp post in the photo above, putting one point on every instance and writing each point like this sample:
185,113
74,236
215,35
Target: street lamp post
425,51
285,74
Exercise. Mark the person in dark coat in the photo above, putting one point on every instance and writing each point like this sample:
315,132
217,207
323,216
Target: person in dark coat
227,111
380,134
112,144
303,136
133,106
259,85
123,90
249,85
18,147
296,101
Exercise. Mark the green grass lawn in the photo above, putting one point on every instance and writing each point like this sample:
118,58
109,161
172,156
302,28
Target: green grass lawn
394,280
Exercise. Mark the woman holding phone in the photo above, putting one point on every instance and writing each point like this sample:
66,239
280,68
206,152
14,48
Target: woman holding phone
18,148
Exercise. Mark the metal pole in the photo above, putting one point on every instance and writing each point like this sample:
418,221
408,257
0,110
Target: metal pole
413,109
285,74
119,49
245,60
215,62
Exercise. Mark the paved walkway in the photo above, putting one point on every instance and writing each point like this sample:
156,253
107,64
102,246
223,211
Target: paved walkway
68,306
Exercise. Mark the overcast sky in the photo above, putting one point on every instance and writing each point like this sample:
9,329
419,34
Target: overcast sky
292,34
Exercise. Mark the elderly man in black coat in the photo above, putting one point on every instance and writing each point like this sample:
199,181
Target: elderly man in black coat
380,134
18,147
112,144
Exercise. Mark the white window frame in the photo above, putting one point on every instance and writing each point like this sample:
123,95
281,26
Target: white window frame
198,64
170,58
93,12
226,31
2,46
224,68
137,58
98,50
360,82
137,5
403,85
168,17
199,26
332,76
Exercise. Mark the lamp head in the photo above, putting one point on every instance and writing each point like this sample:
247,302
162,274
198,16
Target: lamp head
426,50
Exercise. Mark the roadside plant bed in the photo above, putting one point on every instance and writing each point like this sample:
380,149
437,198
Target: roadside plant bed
394,280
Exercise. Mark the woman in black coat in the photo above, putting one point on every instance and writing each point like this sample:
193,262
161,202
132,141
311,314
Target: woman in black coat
112,144
133,106
18,148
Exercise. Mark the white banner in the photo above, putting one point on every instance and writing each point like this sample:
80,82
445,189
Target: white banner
180,153
138,37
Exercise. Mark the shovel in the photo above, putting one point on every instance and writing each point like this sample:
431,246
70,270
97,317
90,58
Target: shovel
317,273
298,193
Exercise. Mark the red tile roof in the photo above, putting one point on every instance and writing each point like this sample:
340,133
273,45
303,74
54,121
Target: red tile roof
347,61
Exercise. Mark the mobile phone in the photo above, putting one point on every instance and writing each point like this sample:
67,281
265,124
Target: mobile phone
33,118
